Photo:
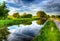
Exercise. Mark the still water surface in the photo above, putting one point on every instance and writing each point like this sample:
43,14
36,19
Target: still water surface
23,32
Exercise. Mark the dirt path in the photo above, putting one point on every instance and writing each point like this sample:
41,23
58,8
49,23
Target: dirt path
57,23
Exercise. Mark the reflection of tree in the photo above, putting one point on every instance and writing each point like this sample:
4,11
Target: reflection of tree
39,22
3,33
27,23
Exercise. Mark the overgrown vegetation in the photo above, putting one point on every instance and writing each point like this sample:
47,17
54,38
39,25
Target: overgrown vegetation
3,11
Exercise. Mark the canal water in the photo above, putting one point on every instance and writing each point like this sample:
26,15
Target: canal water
24,32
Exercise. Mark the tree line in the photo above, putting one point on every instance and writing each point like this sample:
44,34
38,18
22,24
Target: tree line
39,14
4,13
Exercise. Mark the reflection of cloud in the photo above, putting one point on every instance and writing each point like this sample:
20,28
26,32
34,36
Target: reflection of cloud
50,6
24,32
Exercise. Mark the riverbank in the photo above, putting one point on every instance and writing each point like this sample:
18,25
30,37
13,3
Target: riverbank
9,22
49,32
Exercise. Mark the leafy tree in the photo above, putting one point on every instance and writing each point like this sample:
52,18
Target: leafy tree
3,10
53,16
58,16
48,16
24,15
27,15
41,14
16,15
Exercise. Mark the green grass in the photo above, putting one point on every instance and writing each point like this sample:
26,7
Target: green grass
49,32
5,22
8,22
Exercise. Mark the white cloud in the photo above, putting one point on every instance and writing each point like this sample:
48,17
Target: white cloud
12,10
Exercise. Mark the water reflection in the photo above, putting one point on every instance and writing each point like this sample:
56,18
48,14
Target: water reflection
27,23
40,22
3,33
23,32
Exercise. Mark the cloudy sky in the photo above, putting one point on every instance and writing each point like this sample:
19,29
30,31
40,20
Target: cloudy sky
32,6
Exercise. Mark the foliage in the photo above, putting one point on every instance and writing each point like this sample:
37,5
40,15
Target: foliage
27,15
48,16
41,14
53,16
40,22
3,33
3,10
58,16
16,15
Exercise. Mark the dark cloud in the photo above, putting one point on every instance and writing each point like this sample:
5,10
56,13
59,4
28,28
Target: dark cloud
51,6
28,1
31,1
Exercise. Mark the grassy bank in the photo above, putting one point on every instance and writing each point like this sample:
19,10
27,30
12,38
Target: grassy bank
9,22
48,33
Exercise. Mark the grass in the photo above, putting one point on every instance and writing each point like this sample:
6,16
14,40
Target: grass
9,22
48,33
5,22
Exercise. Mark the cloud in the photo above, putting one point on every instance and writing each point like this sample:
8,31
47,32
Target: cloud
52,6
49,6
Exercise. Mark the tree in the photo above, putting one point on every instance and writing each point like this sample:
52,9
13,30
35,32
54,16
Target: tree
16,15
3,10
58,16
27,15
53,16
48,16
24,15
41,14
